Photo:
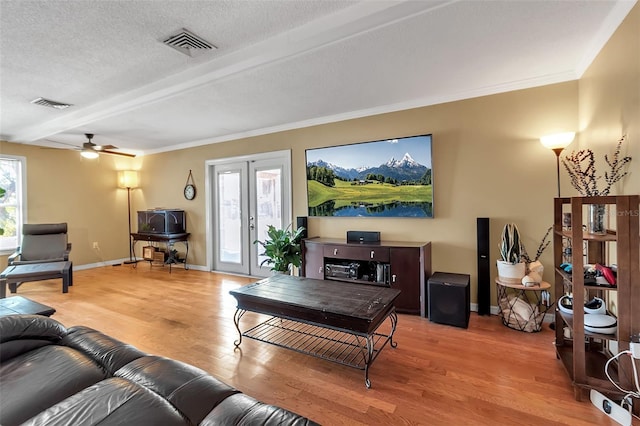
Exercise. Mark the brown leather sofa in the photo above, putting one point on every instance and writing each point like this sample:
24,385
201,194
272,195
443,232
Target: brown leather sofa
51,375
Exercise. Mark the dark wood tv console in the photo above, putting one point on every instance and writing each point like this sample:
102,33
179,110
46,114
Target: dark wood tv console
407,266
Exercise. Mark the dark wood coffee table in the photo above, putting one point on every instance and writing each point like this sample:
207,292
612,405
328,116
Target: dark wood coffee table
333,320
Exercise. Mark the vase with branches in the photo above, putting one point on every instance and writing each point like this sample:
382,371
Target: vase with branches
581,167
584,178
516,264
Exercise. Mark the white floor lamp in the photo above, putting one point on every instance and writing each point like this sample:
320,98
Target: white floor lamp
129,179
557,143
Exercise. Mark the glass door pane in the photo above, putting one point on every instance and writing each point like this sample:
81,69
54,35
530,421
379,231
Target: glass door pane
230,226
268,203
231,235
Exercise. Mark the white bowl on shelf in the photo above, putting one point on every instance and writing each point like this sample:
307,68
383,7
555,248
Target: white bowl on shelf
600,309
600,323
565,304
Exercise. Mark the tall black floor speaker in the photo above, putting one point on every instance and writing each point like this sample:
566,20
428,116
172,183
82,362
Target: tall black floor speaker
484,275
301,222
448,299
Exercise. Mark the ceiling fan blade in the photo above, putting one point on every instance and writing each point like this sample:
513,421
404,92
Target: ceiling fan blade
104,147
122,154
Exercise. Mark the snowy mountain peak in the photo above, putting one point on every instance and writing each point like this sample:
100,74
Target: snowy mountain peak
407,161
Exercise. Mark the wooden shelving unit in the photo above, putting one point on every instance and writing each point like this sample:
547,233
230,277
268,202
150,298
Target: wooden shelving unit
584,354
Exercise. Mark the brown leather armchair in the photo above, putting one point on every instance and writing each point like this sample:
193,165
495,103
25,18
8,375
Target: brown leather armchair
42,243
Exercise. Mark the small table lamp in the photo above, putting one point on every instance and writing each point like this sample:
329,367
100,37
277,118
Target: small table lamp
557,143
129,179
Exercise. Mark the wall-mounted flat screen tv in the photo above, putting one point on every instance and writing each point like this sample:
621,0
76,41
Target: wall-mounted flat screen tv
387,178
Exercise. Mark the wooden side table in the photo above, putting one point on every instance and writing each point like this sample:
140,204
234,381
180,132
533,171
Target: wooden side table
523,308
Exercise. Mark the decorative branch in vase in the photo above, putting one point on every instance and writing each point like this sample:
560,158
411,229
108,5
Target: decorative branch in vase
583,176
582,170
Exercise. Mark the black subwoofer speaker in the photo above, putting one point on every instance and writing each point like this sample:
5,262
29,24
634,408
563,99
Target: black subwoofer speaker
449,299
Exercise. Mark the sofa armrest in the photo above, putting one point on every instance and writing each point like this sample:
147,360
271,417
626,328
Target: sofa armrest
23,333
67,251
111,354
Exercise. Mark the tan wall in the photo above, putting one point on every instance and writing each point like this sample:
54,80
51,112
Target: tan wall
487,161
63,187
609,101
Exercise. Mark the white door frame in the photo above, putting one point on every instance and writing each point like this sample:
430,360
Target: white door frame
287,199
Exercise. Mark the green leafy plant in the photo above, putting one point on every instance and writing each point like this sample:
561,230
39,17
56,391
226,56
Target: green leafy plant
511,247
282,248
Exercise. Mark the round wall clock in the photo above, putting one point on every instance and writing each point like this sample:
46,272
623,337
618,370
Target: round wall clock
190,188
189,192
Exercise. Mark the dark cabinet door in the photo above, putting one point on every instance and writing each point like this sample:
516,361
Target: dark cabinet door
405,276
312,260
355,252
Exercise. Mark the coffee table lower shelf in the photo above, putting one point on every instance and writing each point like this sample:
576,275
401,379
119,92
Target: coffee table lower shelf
341,346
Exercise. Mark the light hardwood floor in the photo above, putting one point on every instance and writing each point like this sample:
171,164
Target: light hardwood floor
438,375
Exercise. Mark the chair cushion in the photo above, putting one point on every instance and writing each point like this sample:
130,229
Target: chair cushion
44,228
43,247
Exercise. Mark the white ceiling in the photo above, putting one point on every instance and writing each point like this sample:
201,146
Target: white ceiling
280,64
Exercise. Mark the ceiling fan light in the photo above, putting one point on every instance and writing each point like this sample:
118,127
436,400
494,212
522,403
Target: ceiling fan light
89,153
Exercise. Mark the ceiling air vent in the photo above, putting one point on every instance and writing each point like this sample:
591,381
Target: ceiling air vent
49,103
188,43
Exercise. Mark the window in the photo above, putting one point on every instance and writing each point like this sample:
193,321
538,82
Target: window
12,205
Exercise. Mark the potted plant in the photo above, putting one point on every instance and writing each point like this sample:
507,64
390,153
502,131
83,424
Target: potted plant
282,248
511,267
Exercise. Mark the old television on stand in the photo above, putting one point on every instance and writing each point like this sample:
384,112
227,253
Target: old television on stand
162,222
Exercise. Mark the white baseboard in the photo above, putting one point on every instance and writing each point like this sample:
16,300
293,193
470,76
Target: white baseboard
119,262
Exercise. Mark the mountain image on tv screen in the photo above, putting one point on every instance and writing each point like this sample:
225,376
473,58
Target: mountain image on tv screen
387,178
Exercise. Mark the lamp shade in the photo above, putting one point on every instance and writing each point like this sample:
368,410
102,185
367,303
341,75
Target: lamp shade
128,179
557,140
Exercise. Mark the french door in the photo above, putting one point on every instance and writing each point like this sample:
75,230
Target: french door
247,195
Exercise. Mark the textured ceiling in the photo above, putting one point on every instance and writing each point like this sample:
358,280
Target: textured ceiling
280,64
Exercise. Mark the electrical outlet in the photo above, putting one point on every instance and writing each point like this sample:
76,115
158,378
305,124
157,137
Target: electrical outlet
95,245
